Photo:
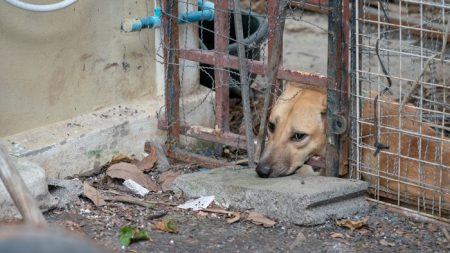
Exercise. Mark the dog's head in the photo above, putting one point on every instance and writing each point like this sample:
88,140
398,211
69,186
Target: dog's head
296,131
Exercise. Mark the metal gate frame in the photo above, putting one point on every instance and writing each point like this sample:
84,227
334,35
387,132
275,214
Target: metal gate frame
336,82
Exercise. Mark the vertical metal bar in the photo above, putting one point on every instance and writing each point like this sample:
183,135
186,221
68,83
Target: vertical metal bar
221,76
244,83
275,51
353,149
171,66
345,87
334,95
274,17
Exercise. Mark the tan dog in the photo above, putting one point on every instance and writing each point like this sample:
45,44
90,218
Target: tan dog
296,132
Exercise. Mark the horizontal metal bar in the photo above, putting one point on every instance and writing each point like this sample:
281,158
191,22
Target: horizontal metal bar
256,67
226,138
421,2
408,212
209,134
192,158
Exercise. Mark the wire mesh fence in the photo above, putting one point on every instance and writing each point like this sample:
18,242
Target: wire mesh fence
207,54
400,102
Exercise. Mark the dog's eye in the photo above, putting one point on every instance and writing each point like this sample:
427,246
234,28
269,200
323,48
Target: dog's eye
298,137
271,127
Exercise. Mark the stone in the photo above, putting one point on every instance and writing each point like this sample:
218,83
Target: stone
35,179
66,191
301,200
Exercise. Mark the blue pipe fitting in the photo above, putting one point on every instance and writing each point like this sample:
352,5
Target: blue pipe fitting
205,12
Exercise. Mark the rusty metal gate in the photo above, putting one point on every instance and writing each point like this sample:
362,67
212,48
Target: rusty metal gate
400,103
225,66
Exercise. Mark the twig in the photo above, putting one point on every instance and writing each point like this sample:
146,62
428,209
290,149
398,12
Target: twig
244,83
416,83
428,62
445,232
157,215
136,201
18,191
383,68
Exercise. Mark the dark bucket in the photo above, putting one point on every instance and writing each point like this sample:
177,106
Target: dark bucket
255,32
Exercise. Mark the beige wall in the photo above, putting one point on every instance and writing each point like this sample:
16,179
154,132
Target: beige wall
57,65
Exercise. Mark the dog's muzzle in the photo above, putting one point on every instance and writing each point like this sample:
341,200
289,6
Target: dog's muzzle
263,170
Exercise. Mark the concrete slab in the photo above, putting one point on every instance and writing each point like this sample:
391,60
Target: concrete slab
35,179
301,200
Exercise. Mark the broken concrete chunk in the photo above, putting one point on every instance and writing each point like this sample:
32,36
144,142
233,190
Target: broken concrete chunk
301,200
67,191
34,178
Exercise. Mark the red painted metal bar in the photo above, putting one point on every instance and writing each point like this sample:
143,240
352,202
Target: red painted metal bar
209,134
171,63
256,67
221,76
273,14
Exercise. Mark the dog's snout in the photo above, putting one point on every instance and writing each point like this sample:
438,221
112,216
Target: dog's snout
263,170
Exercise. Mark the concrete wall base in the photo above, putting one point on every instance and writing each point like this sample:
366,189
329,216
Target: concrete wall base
86,142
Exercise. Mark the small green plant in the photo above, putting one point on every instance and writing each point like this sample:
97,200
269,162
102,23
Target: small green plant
129,235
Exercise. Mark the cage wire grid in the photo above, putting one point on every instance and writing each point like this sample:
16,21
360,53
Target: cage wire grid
256,52
400,103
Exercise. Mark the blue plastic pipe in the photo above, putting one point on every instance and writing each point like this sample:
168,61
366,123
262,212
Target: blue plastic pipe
205,12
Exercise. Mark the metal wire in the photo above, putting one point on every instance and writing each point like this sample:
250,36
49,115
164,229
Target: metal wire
406,37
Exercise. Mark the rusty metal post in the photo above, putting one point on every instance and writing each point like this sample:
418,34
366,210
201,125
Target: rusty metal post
171,66
275,17
337,93
221,76
345,105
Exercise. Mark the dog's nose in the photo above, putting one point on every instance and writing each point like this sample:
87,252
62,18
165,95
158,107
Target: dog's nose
263,170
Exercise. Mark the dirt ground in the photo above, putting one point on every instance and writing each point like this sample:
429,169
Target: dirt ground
209,232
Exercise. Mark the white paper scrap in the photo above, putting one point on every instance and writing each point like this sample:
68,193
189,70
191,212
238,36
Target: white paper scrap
135,187
197,204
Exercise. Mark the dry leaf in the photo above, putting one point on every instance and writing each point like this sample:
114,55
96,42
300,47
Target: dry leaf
120,158
337,235
166,225
234,216
147,164
386,243
129,171
166,179
351,224
92,193
259,219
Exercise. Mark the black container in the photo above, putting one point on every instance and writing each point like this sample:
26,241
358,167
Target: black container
255,32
